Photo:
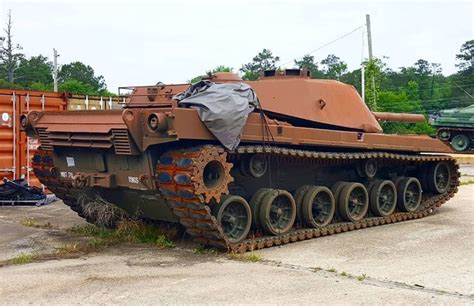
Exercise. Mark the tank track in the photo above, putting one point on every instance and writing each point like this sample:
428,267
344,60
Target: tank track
195,214
185,193
45,171
468,132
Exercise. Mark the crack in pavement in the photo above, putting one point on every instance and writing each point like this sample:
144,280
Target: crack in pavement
367,280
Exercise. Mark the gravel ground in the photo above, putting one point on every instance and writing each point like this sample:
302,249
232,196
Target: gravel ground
425,261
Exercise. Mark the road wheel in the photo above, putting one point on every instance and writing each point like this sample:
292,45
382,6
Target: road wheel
235,217
460,142
409,194
277,212
383,198
318,206
337,188
353,202
255,203
438,177
299,195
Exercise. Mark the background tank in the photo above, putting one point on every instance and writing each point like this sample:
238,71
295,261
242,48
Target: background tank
456,127
312,161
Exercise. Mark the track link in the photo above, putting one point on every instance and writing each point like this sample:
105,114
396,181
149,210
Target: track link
179,182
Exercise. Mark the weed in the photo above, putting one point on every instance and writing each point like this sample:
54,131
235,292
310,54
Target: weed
70,249
467,182
343,273
252,257
21,259
361,277
332,270
126,231
201,249
164,242
30,222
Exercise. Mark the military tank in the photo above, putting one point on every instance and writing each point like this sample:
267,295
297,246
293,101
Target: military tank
456,127
244,165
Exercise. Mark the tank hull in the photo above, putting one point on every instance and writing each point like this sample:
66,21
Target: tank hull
455,127
286,181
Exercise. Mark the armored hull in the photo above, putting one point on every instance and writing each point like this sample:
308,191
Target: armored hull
298,171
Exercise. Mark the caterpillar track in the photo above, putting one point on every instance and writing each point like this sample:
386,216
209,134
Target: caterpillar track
180,175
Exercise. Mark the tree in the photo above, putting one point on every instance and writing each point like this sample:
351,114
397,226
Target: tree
36,69
220,68
82,73
77,87
334,67
262,61
9,55
466,57
307,62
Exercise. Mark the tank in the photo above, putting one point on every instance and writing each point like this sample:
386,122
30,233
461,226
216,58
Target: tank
243,165
456,127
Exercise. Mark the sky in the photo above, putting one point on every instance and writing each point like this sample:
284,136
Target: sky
143,42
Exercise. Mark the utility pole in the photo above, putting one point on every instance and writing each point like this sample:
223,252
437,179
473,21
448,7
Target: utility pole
55,70
369,35
369,42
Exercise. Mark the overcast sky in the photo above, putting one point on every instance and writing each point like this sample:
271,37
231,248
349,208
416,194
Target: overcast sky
143,42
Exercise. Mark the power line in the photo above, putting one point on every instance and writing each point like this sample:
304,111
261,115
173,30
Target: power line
326,44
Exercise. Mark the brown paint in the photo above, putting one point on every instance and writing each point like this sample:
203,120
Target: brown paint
293,97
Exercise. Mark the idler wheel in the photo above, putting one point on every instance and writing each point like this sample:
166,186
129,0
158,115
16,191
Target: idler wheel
438,177
235,217
383,198
460,142
318,206
277,212
353,202
409,194
255,203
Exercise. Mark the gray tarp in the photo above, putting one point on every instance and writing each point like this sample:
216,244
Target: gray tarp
223,108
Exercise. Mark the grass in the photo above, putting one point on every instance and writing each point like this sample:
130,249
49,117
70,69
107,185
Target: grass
126,231
332,270
30,222
250,257
467,182
21,259
201,249
361,277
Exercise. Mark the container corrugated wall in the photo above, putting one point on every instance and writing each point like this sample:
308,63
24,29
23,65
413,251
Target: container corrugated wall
79,102
16,150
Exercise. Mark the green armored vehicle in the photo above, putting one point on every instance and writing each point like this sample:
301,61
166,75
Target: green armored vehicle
456,127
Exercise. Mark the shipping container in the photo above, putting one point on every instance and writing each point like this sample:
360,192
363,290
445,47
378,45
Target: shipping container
80,102
16,150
